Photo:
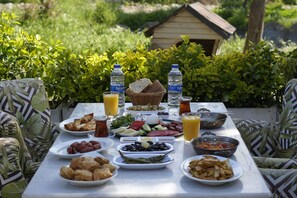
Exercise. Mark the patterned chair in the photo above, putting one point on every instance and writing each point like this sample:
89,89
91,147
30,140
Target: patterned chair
274,145
26,133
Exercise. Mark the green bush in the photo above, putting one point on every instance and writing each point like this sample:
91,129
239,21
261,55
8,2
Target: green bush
105,13
289,2
159,1
136,20
253,79
234,12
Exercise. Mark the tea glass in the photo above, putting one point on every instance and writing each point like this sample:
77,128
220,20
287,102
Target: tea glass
111,101
191,127
184,106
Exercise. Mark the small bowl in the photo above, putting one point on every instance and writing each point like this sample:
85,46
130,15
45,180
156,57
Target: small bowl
210,120
224,152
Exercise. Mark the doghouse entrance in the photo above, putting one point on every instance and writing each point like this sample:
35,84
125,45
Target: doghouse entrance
208,45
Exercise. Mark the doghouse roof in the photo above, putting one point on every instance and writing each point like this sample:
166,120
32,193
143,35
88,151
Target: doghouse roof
212,20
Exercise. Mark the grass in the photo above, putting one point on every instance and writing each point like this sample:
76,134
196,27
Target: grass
279,13
72,23
80,26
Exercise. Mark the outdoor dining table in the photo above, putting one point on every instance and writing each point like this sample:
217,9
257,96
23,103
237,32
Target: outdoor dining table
164,182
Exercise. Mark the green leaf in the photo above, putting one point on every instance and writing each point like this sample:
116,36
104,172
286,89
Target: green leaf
39,101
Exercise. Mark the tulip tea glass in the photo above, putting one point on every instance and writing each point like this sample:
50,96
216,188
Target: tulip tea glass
111,102
191,127
184,106
101,127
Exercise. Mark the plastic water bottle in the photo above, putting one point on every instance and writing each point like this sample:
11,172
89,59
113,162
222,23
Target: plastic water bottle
117,83
175,87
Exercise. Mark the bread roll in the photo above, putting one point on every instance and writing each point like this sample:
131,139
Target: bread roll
140,85
155,87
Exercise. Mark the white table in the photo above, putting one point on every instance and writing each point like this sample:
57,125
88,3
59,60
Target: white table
166,182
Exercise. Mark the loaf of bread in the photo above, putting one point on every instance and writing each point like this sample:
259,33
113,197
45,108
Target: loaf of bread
140,85
155,87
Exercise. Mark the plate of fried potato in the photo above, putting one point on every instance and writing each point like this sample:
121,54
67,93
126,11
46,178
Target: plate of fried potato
211,169
79,126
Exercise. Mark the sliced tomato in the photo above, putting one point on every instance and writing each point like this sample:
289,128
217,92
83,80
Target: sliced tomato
136,125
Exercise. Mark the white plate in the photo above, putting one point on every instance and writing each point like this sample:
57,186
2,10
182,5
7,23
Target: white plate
237,170
120,148
118,160
61,149
76,133
91,183
167,139
146,112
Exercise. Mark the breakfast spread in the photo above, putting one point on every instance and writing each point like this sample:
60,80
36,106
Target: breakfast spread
87,169
86,123
144,153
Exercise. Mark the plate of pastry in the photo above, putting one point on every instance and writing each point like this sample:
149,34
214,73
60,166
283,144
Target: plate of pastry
78,147
79,126
88,171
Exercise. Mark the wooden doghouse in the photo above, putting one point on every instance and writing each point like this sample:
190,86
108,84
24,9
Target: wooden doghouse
196,21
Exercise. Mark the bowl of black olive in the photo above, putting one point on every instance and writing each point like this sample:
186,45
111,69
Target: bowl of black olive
145,147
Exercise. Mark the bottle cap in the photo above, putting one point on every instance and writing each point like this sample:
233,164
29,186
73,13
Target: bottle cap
117,66
175,65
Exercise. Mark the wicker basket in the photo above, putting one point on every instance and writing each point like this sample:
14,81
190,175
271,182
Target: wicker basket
145,98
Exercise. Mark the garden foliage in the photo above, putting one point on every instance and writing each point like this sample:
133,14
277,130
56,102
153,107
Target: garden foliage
253,79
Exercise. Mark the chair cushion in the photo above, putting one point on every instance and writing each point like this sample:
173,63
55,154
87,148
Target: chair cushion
27,100
290,96
282,182
12,180
254,133
275,163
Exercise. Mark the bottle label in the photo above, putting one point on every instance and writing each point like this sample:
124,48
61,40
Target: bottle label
175,88
117,88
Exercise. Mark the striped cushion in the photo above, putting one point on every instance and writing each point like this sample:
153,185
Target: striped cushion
282,182
12,180
27,100
254,136
289,96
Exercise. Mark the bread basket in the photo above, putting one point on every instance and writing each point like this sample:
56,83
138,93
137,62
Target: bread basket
145,98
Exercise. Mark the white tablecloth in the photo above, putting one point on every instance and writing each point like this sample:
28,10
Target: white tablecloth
165,182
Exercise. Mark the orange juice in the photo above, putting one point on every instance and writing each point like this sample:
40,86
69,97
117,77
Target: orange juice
111,101
191,127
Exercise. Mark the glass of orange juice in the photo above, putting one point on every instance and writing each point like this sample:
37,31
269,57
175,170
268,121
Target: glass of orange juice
111,101
191,126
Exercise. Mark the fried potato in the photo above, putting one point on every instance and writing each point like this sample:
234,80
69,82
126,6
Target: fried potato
210,168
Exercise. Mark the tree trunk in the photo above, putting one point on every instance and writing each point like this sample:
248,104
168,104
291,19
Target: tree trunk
256,23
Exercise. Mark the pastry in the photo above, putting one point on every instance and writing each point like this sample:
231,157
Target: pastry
101,173
83,175
67,172
101,160
89,165
110,166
